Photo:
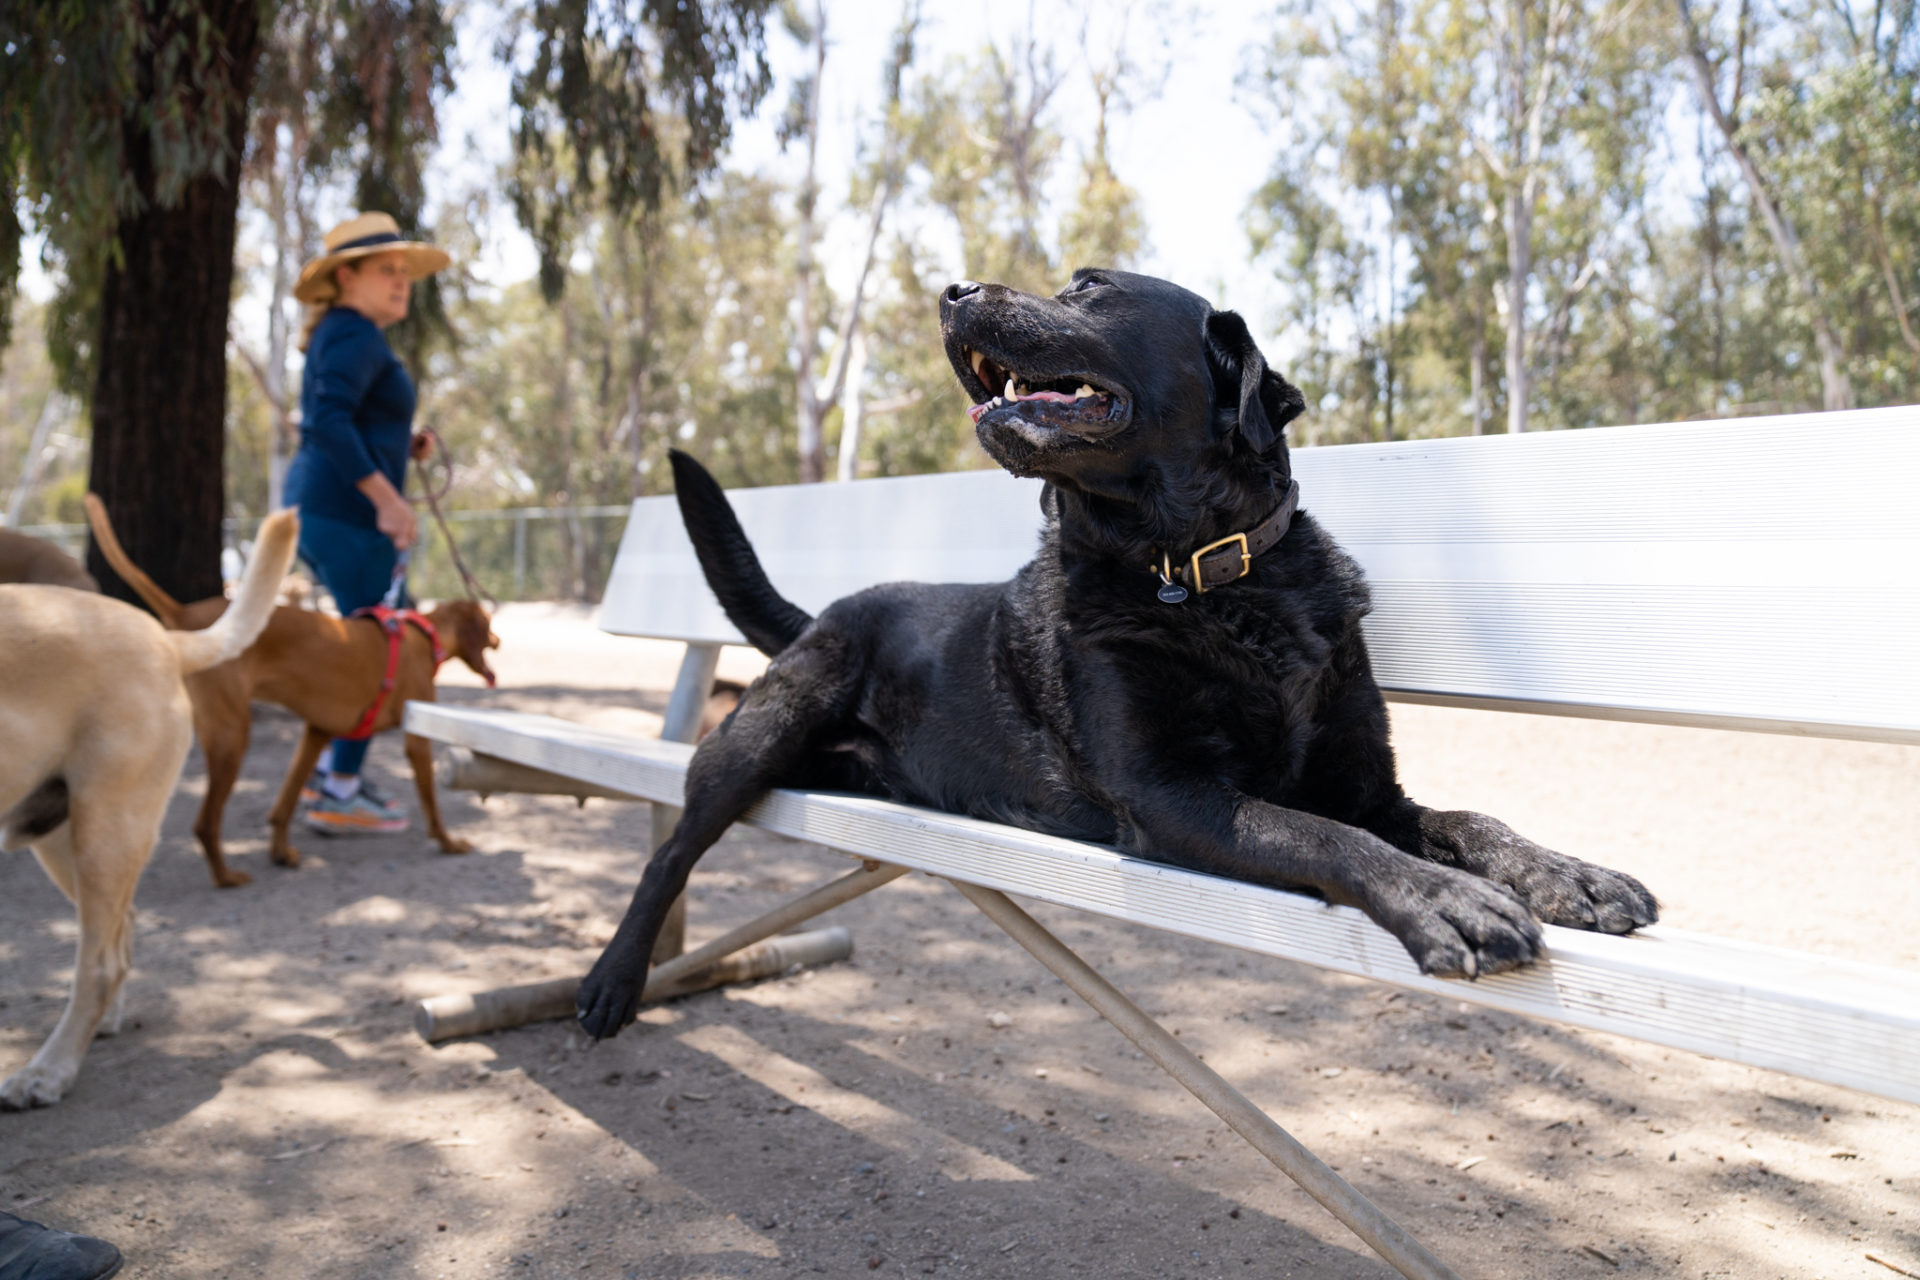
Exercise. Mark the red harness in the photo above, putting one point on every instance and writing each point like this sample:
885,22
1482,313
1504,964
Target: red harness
394,622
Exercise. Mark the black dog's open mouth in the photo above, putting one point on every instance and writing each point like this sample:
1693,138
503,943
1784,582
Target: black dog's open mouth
1070,403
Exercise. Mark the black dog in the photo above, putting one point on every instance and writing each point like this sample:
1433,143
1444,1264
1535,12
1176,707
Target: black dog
1215,711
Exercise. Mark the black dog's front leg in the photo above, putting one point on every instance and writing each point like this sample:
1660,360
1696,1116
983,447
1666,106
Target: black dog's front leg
1451,923
1352,774
758,747
1557,888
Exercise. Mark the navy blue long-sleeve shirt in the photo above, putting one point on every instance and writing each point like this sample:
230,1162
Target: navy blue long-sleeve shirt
356,417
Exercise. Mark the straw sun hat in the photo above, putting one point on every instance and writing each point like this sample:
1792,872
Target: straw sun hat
362,237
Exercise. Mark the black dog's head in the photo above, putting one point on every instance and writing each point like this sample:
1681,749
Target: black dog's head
1117,379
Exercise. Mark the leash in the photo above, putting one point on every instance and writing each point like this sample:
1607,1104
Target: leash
475,592
394,619
395,589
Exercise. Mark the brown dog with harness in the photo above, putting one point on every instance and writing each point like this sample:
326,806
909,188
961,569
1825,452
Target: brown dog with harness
341,676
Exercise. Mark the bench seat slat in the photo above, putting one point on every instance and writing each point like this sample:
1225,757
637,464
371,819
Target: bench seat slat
1837,1021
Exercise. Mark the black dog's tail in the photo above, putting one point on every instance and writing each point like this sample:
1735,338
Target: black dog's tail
766,618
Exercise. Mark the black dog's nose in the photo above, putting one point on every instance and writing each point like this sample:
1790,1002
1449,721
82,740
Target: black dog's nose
962,288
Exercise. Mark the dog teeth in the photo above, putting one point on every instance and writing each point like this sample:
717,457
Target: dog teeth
979,365
1084,392
1009,392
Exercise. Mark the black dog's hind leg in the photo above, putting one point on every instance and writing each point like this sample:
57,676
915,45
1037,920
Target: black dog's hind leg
760,746
1556,888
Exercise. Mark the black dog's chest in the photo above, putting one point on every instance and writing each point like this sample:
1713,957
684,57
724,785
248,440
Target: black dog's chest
1221,705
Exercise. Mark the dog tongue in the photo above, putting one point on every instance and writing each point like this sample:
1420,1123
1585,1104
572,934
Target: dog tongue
980,411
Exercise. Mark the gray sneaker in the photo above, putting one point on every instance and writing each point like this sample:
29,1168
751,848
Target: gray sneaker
29,1251
365,813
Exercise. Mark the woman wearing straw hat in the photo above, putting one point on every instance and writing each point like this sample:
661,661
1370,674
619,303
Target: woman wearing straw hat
349,476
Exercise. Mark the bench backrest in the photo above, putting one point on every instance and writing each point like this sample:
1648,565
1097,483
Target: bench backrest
1757,573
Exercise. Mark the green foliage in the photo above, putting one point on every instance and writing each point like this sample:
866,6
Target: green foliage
1105,227
675,336
1382,215
925,425
73,91
979,133
597,77
27,379
1396,151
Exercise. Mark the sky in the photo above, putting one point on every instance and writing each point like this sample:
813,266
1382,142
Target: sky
1192,151
1189,145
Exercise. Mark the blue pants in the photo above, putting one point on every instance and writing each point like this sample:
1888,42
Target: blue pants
355,564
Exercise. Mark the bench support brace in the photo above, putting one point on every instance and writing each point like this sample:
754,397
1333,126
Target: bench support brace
448,1017
1387,1238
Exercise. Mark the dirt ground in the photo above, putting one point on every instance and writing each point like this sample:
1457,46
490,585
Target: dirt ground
269,1111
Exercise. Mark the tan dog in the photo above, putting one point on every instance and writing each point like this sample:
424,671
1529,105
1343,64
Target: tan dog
96,723
324,669
24,559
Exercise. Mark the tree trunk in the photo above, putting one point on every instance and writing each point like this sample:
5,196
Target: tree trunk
1477,394
285,195
54,410
160,367
1519,222
855,395
813,463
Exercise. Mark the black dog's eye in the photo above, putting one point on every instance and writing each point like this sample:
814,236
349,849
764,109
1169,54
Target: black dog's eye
1085,283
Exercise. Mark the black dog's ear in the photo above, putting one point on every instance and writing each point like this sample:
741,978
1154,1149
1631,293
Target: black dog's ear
1267,401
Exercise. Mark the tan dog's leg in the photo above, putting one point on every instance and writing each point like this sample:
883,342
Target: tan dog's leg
223,719
55,852
282,851
96,859
420,756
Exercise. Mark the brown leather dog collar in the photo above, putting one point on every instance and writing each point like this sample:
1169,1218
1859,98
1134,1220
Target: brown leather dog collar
1230,558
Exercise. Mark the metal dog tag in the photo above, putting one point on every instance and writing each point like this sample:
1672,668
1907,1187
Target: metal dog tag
1171,593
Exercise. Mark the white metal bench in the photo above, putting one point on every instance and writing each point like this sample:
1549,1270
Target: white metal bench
1760,574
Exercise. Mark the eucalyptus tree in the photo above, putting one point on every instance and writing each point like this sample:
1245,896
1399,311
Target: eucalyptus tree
1443,167
820,395
123,127
1707,74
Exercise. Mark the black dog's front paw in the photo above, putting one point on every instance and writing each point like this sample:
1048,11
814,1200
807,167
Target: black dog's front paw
1556,888
1580,895
609,997
1455,925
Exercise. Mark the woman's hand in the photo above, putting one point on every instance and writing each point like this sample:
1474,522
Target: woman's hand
421,447
396,520
391,514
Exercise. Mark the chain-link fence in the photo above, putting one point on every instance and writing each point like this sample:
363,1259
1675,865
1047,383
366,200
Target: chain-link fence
519,553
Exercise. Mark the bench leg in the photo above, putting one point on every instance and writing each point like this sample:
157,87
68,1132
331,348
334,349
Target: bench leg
447,1017
1387,1238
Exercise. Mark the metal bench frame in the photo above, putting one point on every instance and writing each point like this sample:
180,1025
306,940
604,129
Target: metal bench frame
1722,563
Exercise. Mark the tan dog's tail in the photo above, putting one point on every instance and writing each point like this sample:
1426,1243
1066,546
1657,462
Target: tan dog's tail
252,603
163,605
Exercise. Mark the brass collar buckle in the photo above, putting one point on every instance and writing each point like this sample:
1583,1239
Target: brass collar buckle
1246,562
1262,537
